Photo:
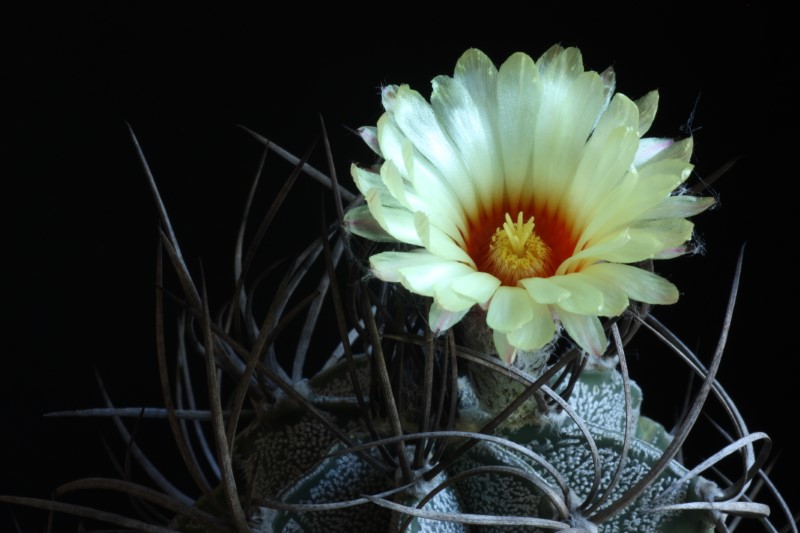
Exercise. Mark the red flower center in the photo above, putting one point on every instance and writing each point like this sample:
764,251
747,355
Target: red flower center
533,245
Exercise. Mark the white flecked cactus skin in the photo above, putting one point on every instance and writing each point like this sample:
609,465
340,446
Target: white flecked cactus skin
294,461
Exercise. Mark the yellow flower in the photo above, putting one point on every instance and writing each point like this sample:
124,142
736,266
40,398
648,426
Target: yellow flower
527,189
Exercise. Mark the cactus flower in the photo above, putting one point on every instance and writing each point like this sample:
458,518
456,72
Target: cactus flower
527,190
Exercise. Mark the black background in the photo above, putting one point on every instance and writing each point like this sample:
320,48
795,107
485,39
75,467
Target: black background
80,228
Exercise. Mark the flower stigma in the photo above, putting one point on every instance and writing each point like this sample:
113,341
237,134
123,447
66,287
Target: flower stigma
517,252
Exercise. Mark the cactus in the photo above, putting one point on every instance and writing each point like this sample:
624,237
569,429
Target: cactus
517,471
403,429
416,448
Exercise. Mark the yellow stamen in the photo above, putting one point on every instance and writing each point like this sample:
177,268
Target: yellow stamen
516,252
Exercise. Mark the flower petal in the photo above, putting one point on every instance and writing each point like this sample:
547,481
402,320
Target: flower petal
544,291
438,242
580,292
440,319
667,232
392,217
586,331
562,128
449,299
434,195
369,134
649,148
366,180
478,75
681,150
647,104
672,253
479,286
386,265
399,188
604,164
359,220
680,206
423,279
602,250
417,121
517,107
638,284
584,298
388,97
647,239
442,202
536,332
471,126
509,309
505,350
621,113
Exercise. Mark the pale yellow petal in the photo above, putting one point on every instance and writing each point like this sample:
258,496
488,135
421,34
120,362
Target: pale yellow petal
423,279
638,284
637,195
672,253
517,109
586,331
479,286
560,64
505,350
434,194
561,133
449,299
603,166
472,134
609,78
397,172
583,298
366,180
588,294
386,265
369,134
359,221
615,299
388,95
440,319
477,73
648,238
509,309
407,197
398,188
544,291
535,333
597,251
647,104
621,113
439,242
417,121
433,189
641,240
668,232
395,220
663,176
680,206
390,138
649,148
680,150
